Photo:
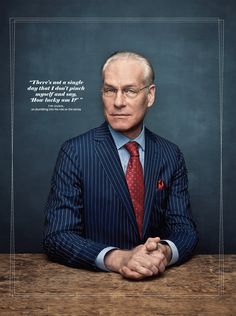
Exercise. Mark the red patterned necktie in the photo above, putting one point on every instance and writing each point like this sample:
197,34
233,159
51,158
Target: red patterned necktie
135,181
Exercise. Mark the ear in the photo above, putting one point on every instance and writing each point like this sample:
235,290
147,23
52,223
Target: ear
151,95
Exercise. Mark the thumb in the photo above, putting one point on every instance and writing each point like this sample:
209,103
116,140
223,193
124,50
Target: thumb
151,243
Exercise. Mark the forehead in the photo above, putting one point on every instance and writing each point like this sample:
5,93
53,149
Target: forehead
124,72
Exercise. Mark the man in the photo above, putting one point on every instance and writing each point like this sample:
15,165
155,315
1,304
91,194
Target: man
119,199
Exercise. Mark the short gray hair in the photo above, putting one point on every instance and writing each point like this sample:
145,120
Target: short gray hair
149,75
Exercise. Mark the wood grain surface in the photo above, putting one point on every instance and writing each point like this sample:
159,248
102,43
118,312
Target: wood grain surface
32,285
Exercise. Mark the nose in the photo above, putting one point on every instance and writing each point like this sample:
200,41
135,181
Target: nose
119,100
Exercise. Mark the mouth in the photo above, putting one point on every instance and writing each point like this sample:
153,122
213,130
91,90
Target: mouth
119,115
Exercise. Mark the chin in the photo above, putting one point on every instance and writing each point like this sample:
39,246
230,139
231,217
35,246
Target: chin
125,127
119,127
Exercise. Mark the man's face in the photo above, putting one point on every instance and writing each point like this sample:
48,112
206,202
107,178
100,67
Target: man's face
125,114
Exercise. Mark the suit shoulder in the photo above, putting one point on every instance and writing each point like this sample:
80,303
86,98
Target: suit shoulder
163,142
80,140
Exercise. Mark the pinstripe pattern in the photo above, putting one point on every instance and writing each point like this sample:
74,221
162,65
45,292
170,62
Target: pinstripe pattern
89,206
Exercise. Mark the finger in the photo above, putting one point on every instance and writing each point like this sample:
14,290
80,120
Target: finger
130,274
155,270
158,254
165,262
153,239
161,267
151,246
164,250
152,243
147,262
146,271
142,265
159,260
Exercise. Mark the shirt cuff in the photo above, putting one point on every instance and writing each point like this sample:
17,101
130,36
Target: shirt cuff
100,258
174,251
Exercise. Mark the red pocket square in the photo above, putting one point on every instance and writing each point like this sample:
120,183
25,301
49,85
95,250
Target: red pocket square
160,185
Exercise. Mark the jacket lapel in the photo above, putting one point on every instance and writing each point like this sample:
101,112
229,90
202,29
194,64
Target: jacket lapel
107,153
152,166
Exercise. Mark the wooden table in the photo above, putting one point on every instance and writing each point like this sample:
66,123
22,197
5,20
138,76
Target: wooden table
32,285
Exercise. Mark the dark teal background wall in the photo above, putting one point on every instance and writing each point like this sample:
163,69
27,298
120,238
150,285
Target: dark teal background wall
182,41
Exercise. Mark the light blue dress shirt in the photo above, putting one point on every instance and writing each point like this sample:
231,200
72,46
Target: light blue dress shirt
120,140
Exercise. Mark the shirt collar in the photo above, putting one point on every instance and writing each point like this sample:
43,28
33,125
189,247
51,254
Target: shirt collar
120,139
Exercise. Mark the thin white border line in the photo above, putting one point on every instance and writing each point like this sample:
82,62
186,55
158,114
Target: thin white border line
130,295
220,22
116,20
12,221
221,97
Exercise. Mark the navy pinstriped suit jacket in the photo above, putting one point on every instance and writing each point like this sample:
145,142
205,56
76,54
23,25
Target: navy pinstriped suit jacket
89,206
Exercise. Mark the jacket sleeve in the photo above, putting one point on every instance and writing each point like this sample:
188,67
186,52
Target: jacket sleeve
64,239
179,225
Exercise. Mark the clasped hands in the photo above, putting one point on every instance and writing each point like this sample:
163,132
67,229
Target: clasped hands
143,261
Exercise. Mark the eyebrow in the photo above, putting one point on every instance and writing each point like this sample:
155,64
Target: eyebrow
125,86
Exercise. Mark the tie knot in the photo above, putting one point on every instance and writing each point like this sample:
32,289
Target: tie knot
132,148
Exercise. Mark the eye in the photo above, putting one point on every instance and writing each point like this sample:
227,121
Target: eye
130,92
109,91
